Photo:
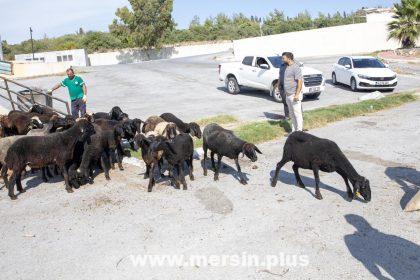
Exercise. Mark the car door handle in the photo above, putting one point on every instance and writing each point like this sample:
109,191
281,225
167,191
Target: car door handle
254,70
241,68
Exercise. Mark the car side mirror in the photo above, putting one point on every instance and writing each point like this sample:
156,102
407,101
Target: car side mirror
386,65
265,66
347,66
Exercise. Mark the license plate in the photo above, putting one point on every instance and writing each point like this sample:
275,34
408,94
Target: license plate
314,89
382,83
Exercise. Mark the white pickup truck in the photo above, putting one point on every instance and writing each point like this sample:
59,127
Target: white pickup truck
262,72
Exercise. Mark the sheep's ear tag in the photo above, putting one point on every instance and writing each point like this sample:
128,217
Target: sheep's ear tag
358,194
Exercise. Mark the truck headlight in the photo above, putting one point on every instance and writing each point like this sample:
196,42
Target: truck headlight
363,77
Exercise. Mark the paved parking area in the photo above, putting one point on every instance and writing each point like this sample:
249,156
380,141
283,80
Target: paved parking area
189,87
91,234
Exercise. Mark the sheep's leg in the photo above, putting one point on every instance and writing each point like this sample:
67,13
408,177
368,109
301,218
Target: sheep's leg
349,191
44,174
11,185
297,176
241,176
110,159
146,174
47,168
315,168
19,183
4,175
213,165
176,179
205,160
181,176
160,163
151,178
191,167
69,189
219,162
276,174
56,170
105,167
120,154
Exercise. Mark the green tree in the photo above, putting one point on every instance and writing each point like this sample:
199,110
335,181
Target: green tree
146,22
405,26
99,41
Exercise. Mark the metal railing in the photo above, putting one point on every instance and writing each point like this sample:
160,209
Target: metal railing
21,98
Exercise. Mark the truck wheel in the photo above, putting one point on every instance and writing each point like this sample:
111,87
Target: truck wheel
232,85
353,84
276,95
334,79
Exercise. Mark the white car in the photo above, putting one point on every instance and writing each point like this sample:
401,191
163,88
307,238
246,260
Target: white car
262,72
364,72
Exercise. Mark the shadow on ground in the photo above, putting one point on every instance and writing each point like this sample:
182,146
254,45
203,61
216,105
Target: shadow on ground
409,180
224,169
384,255
289,179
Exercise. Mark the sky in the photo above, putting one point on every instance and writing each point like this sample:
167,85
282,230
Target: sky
56,17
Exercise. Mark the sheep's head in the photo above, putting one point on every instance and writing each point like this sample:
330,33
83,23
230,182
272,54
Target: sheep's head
118,133
127,127
86,129
136,125
250,150
117,114
362,186
170,131
195,130
35,123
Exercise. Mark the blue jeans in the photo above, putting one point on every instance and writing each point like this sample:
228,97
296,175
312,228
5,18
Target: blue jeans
77,106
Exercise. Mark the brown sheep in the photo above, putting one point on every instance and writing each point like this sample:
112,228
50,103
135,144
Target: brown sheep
150,123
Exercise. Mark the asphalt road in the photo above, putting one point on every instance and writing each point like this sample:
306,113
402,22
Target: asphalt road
189,87
92,233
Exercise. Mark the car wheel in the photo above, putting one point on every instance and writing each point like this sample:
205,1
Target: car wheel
232,85
314,95
353,84
276,94
334,79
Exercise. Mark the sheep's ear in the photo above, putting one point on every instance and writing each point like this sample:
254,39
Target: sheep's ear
257,150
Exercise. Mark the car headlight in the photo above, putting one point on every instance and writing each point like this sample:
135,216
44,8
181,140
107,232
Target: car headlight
363,77
395,76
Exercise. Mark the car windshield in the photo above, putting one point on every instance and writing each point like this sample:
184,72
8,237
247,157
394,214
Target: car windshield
367,63
276,61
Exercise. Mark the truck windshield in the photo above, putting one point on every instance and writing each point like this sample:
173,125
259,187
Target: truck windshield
276,61
367,63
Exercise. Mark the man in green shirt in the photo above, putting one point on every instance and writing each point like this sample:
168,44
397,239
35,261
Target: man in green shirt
77,91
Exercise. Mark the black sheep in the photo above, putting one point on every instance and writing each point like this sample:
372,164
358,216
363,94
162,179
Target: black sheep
223,142
129,129
151,153
100,148
115,114
41,151
310,152
178,151
191,128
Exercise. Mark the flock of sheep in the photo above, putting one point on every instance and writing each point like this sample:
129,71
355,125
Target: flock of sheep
43,140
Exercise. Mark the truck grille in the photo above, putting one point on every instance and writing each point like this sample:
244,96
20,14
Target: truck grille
381,78
312,80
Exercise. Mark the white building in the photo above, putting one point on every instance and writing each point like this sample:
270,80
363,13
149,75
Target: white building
72,57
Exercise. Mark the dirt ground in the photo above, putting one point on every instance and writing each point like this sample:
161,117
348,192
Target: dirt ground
91,234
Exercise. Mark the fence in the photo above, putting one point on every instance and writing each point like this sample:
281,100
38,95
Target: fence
27,96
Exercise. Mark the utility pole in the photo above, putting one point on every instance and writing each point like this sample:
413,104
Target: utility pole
261,24
1,49
32,43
